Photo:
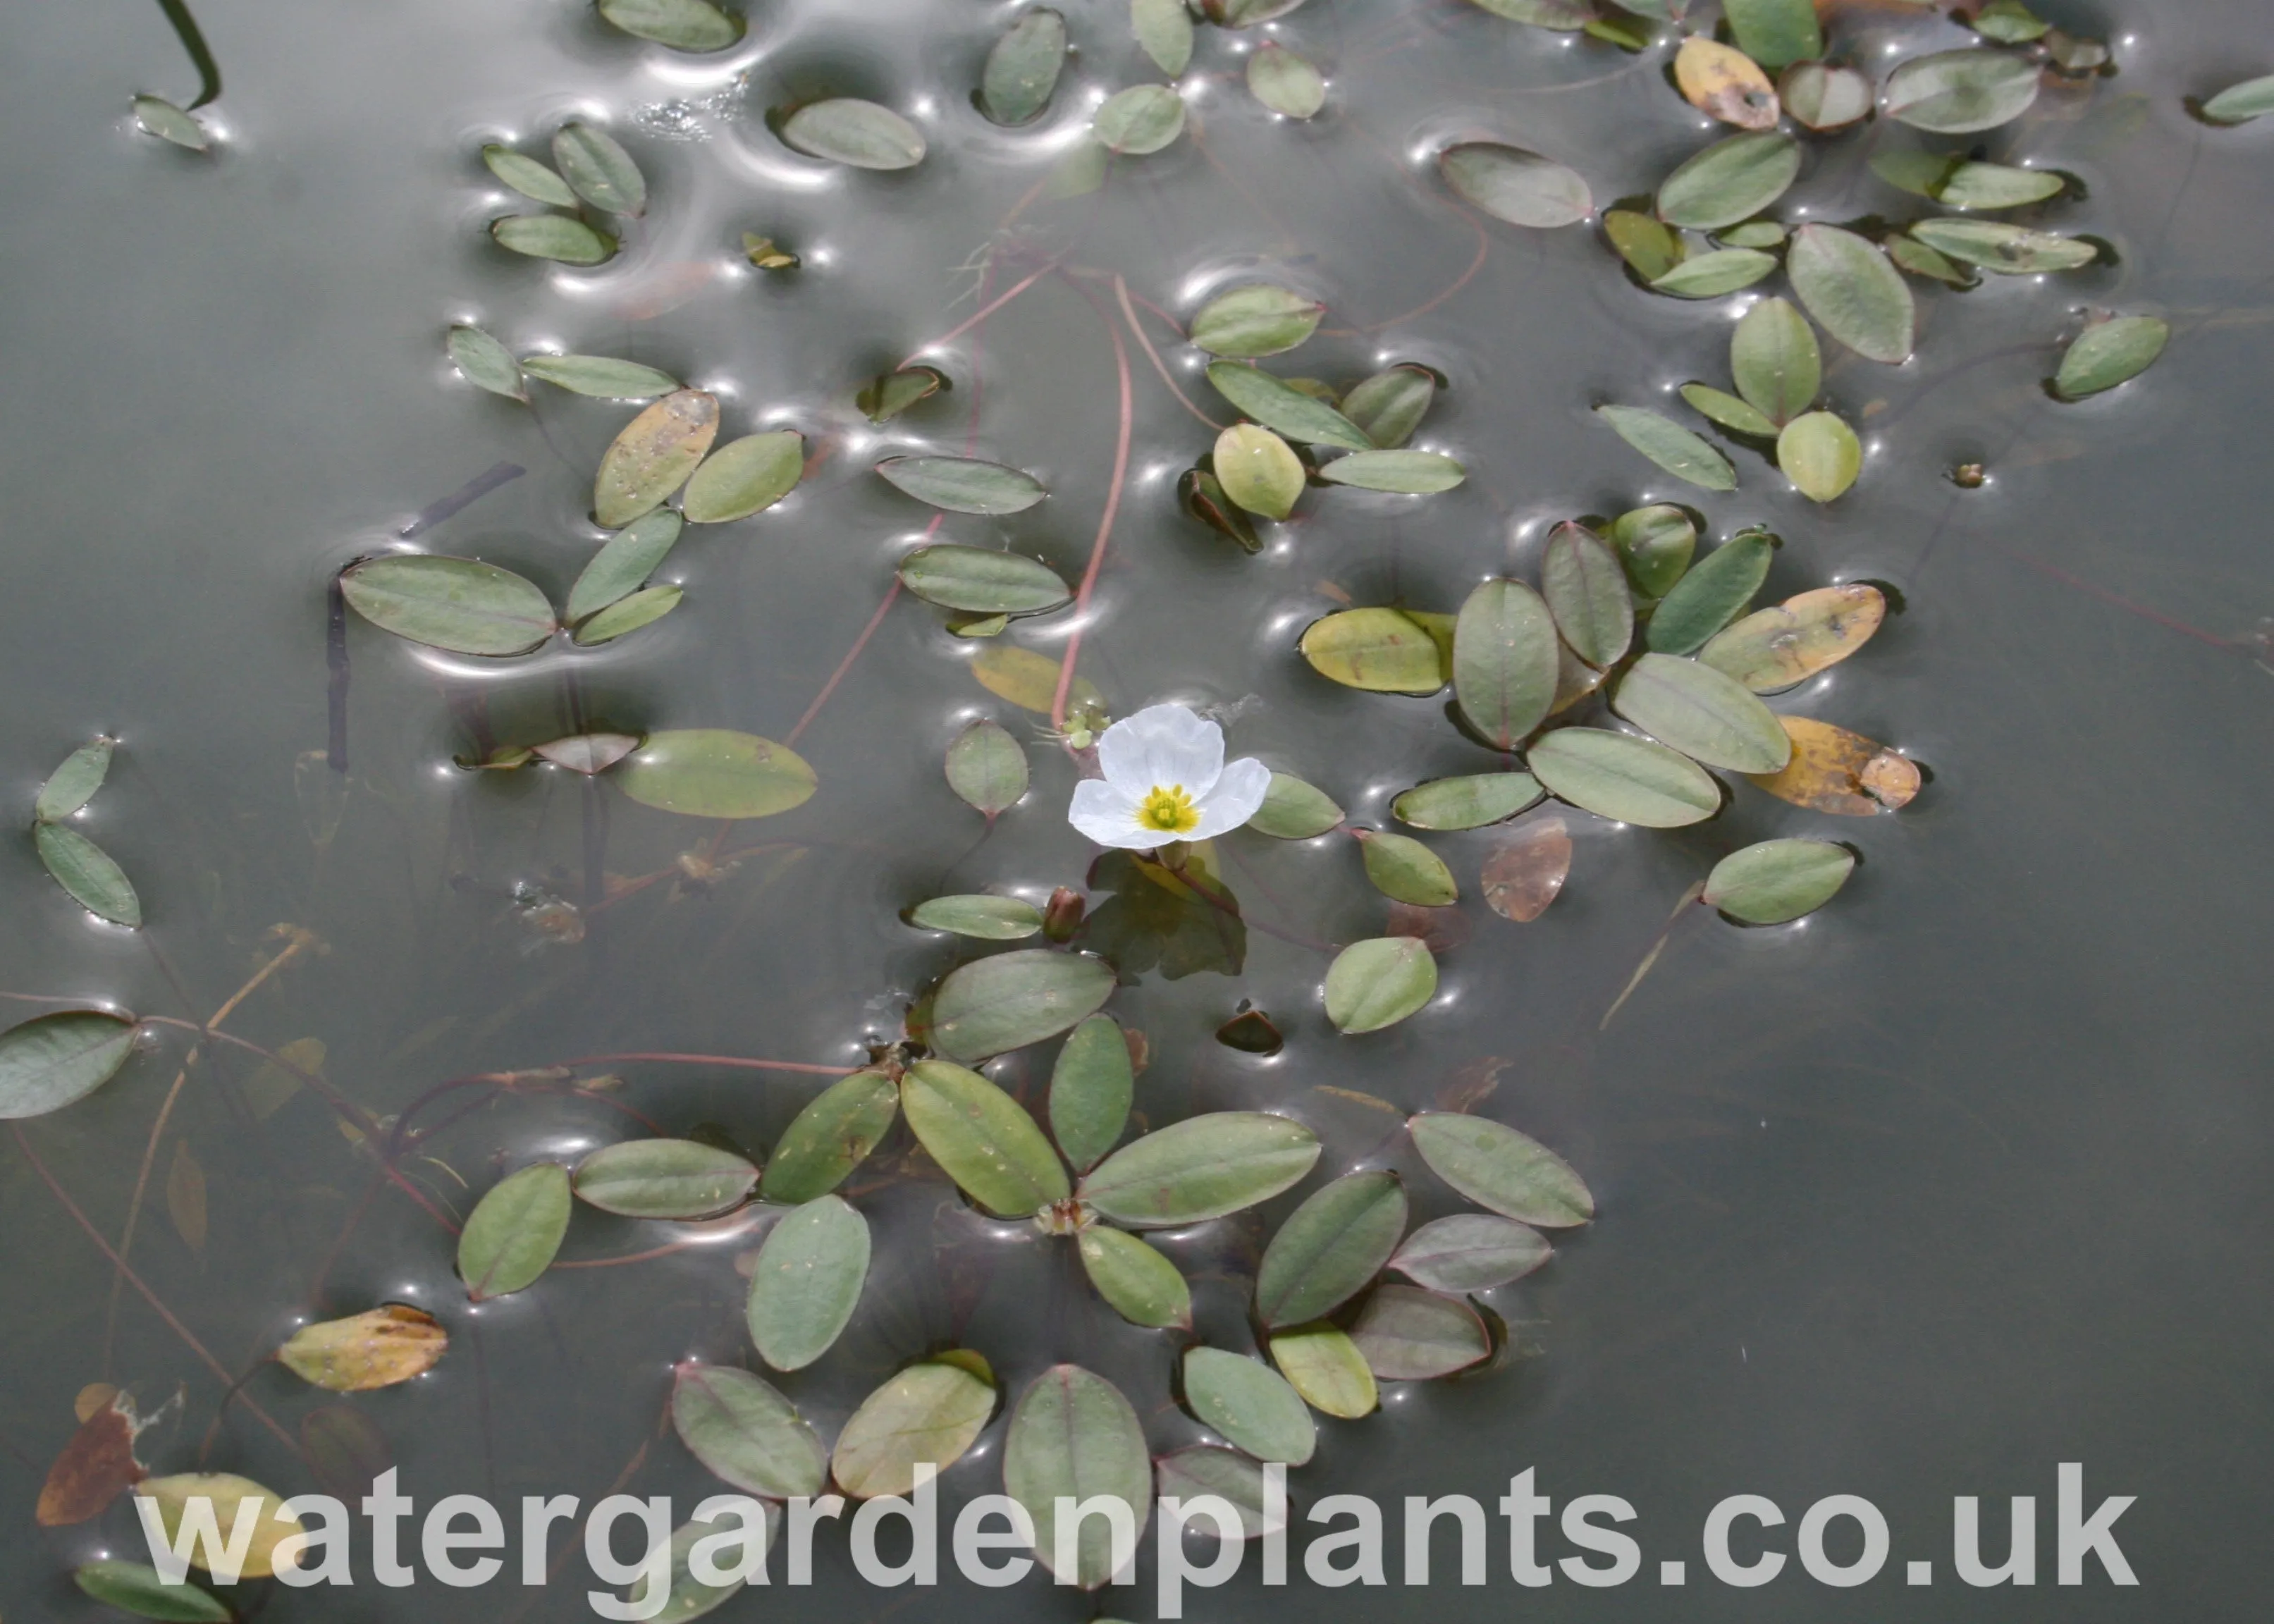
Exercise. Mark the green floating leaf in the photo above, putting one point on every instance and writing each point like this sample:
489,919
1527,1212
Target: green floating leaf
52,1060
1202,1168
1023,67
807,1282
1762,234
1379,983
1734,179
1381,651
1650,247
963,485
2239,104
1140,120
1777,647
1233,1477
1824,98
1258,470
716,772
1709,717
1738,417
1776,362
981,1138
981,581
1262,319
554,236
854,132
461,605
1329,1248
1404,871
72,784
86,871
1586,589
831,1137
1710,275
1820,454
1467,802
1390,406
1958,92
747,1434
891,394
629,614
1250,1404
623,565
1777,881
932,1412
2005,250
1294,810
1014,999
1471,1252
1497,1167
2008,22
525,175
1289,411
599,169
136,1588
1285,82
1853,292
1775,33
1327,1370
1136,1281
1617,776
986,768
1712,594
1164,29
2105,354
600,377
988,919
1091,1086
1655,543
683,24
1520,187
664,1178
1411,473
484,362
1916,256
1405,1333
514,1230
687,1598
161,118
1954,180
1504,661
1671,445
653,455
1072,1439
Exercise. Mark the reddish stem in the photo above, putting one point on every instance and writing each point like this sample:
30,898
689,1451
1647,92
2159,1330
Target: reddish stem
1088,586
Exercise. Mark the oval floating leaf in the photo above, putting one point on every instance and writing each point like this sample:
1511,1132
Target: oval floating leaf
51,1061
1329,1248
621,566
1520,187
1696,710
86,871
1074,1438
1824,98
1958,92
1164,28
1404,871
525,175
1655,543
1504,661
1390,406
484,362
1776,881
1202,1168
981,581
1136,1281
514,1231
2239,104
963,485
1231,1476
1710,275
629,614
1326,1370
1294,810
1494,1166
1250,1404
1091,1086
1471,1252
1617,776
1734,179
1260,318
1774,32
1379,983
807,1282
851,131
1774,648
1820,454
1671,445
1411,473
136,1588
981,1138
554,236
653,456
831,1137
1650,248
1776,362
1723,83
931,1412
1468,802
683,24
1738,417
986,767
1022,70
1141,119
716,772
891,394
2005,249
1854,293
365,1351
600,377
1288,410
599,169
1258,470
72,784
2110,352
1285,82
1585,590
664,1178
1405,1333
227,1498
988,919
461,605
1381,651
1712,594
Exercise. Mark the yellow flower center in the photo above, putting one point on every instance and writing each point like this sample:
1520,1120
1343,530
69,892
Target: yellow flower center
1169,811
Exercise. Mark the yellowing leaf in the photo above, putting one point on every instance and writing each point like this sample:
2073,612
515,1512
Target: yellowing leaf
222,1497
1722,82
374,1349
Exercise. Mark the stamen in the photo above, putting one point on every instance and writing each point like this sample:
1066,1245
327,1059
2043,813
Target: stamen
1169,811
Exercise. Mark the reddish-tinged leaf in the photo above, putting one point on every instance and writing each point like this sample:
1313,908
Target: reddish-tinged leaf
96,1466
1526,871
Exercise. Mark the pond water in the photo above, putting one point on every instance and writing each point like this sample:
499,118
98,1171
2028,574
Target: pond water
1958,1178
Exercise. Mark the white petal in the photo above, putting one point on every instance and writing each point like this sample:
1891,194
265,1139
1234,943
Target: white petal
1108,816
1160,746
1238,792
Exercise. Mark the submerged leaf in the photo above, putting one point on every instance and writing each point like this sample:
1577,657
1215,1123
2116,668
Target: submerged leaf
1671,445
1285,82
484,362
1022,70
1854,293
514,1231
1204,1167
1250,1404
1734,179
1140,120
2108,353
1778,881
461,605
1013,999
1329,1248
683,24
365,1351
51,1061
1494,1166
94,879
664,1178
831,1137
1030,680
1379,983
852,132
747,1434
653,455
1260,318
986,768
716,772
1527,870
931,1412
807,1282
963,485
1520,187
1074,1438
1471,1252
1774,648
1091,1086
1958,92
1617,776
1405,1333
1136,1281
1696,710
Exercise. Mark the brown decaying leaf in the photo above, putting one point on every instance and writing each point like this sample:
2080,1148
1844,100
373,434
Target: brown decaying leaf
1722,82
1526,871
1440,930
1140,1048
1834,770
95,1467
185,1197
374,1349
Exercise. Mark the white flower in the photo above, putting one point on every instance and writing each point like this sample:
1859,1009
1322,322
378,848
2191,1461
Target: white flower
1166,779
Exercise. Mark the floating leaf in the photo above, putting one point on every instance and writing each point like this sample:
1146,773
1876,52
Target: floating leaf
600,377
161,118
981,581
890,393
1233,1477
1405,1333
831,1137
664,1178
1959,183
1381,651
1030,680
716,772
963,485
1074,1438
2239,104
930,1412
1712,594
1774,648
1738,417
1958,92
683,24
1777,881
1136,1281
1468,802
1565,16
1650,247
629,614
1762,234
1294,810
1326,1368
1520,187
1504,661
1696,710
851,131
484,362
1329,1248
1290,411
1022,70
1586,589
1617,776
1141,119
1774,32
686,1596
1471,1252
653,455
514,1231
2007,249
98,1464
620,568
1411,473
1671,445
136,1588
1820,454
807,1282
1527,870
51,1061
986,768
2008,22
1725,84
525,175
1775,359
1834,770
1853,292
368,1350
1735,179
761,253
981,1138
1285,82
1250,1404
1390,405
72,784
1494,1166
1404,871
1202,1167
1824,98
1258,470
1164,28
227,1498
1710,275
1655,543
990,919
554,236
599,169
2105,354
1379,983
1920,260
461,605
86,871
1090,1089
1260,318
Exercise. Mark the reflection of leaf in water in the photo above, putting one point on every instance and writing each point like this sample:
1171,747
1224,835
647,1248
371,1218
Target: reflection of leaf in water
185,1197
1179,924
